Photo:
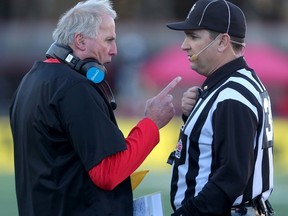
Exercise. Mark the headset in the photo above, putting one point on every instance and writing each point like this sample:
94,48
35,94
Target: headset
89,67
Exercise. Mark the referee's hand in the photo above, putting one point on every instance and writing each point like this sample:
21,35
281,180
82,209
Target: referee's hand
189,99
160,108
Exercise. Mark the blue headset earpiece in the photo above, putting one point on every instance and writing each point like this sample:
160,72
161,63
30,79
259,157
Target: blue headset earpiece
92,70
88,67
95,75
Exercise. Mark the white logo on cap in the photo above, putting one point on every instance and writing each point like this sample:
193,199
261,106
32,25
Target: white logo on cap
191,11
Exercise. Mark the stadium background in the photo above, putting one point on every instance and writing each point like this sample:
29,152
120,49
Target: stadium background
25,35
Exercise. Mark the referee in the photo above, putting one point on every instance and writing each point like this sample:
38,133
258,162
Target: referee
223,162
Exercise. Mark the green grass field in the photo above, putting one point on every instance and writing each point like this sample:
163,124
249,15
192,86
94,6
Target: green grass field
153,182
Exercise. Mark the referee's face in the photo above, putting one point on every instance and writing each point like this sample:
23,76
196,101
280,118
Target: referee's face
201,51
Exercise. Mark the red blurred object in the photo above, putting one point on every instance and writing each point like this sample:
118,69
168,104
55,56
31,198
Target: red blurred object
269,63
168,64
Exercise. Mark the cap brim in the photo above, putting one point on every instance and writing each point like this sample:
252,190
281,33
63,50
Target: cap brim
184,25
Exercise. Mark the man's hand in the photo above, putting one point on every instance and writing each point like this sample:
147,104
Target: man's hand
160,108
189,99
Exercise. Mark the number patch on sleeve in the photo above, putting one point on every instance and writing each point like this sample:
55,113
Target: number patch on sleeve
268,135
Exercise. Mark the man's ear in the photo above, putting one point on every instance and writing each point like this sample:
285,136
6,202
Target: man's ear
224,42
80,42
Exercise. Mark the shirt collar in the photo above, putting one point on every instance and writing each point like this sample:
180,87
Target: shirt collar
51,60
223,72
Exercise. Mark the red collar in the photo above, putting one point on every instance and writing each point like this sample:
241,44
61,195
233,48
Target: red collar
51,60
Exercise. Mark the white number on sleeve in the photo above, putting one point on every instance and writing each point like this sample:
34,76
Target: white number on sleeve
268,121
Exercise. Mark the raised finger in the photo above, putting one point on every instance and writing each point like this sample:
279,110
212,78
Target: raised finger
170,86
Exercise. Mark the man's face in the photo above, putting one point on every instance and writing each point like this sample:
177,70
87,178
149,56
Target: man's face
199,42
103,47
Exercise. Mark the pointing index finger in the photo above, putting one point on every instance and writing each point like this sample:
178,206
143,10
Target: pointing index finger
170,86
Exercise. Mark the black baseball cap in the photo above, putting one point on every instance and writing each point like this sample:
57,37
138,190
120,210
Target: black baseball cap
216,15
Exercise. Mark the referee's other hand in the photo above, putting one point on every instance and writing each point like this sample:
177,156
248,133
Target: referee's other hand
189,99
160,108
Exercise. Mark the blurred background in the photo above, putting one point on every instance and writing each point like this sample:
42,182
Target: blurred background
149,56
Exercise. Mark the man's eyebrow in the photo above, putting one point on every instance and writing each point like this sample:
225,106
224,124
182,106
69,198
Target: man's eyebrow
109,38
190,32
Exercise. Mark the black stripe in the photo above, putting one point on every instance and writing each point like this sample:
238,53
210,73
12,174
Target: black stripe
265,172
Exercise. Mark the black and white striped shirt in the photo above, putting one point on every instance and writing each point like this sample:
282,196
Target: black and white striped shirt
224,154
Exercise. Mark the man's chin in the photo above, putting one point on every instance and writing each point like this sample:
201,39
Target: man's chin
193,66
106,62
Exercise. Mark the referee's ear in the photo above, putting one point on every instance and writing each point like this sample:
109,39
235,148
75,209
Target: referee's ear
223,42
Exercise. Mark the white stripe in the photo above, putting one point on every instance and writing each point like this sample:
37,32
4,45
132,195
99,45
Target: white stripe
257,188
181,184
229,17
205,161
249,75
271,170
238,200
267,193
205,157
247,85
231,94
